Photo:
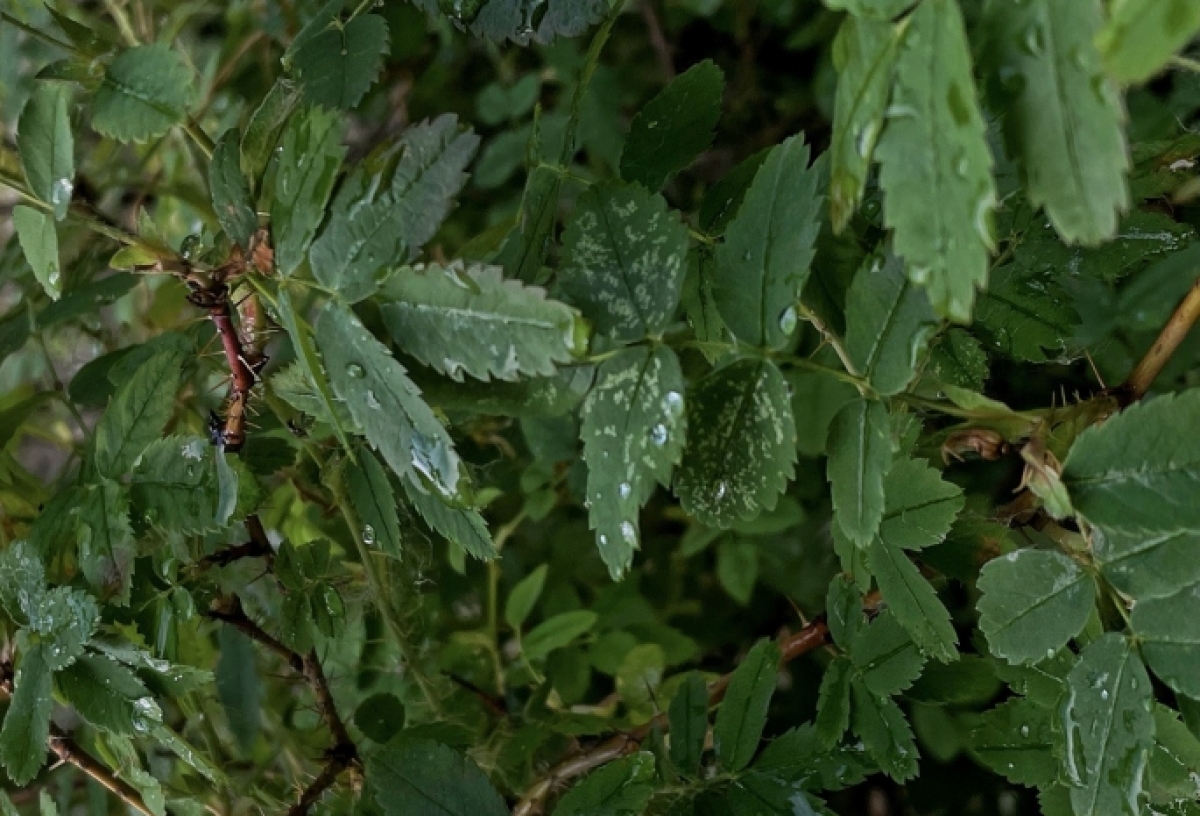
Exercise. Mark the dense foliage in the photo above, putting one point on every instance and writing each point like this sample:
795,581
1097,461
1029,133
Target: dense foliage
752,407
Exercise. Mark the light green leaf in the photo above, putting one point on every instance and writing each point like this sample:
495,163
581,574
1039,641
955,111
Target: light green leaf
1137,472
421,776
104,692
1109,728
464,526
871,9
61,621
136,415
633,431
880,724
1145,565
743,713
833,702
623,264
860,455
1026,315
1062,118
1016,740
888,321
384,401
457,318
1170,638
933,150
919,505
688,716
106,544
230,192
620,788
303,171
1140,36
737,567
174,485
557,632
335,65
638,678
864,54
674,127
145,91
913,601
885,657
769,246
524,595
47,147
372,496
39,241
27,722
741,444
1034,601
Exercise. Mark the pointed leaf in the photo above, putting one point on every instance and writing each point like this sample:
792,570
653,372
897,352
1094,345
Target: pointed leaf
860,455
39,241
336,65
933,149
104,692
230,192
463,526
913,601
27,722
674,127
1170,639
421,776
145,91
769,246
633,430
623,265
885,657
373,499
1026,315
458,318
524,596
303,172
47,146
880,724
833,702
136,415
557,632
106,544
919,507
688,717
620,788
741,444
743,714
1140,36
524,250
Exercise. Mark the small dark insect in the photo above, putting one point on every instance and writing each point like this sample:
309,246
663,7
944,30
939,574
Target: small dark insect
216,429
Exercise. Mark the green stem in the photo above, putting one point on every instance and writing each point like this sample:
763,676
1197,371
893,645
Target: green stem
123,24
203,141
33,32
60,390
1186,64
830,338
585,77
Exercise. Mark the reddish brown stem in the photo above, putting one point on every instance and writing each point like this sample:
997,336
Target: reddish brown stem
1151,365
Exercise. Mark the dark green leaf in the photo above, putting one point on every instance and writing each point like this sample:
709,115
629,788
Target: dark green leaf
688,717
871,9
933,150
843,610
737,567
1015,739
913,601
336,64
412,776
373,498
524,251
174,485
880,724
39,241
106,543
1170,639
958,359
1147,565
27,722
230,192
61,621
621,788
104,692
1174,769
557,632
919,505
464,526
860,455
1026,315
764,261
741,444
138,412
623,264
674,127
743,714
380,716
885,657
47,146
833,702
264,127
145,91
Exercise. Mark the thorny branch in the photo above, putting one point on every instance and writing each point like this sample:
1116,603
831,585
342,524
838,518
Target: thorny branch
259,546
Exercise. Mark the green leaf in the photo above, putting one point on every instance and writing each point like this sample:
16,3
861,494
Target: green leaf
1147,565
523,596
372,496
303,171
1063,119
230,192
61,621
524,250
138,412
106,544
763,794
741,444
463,526
769,246
264,127
919,505
429,175
743,713
623,264
880,724
864,54
958,359
239,688
501,20
888,321
337,64
1170,639
422,776
1016,740
1174,769
638,678
860,455
384,401
1137,472
380,716
174,486
39,241
557,632
22,580
1109,728
104,692
913,601
843,609
1140,36
145,91
737,567
633,430
620,788
27,722
933,150
833,702
674,127
47,146
871,9
1026,315
1034,601
885,657
688,717
457,318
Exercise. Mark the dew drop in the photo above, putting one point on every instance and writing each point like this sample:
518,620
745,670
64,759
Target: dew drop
355,371
1024,730
722,489
368,534
372,402
628,534
787,320
658,434
674,404
624,489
